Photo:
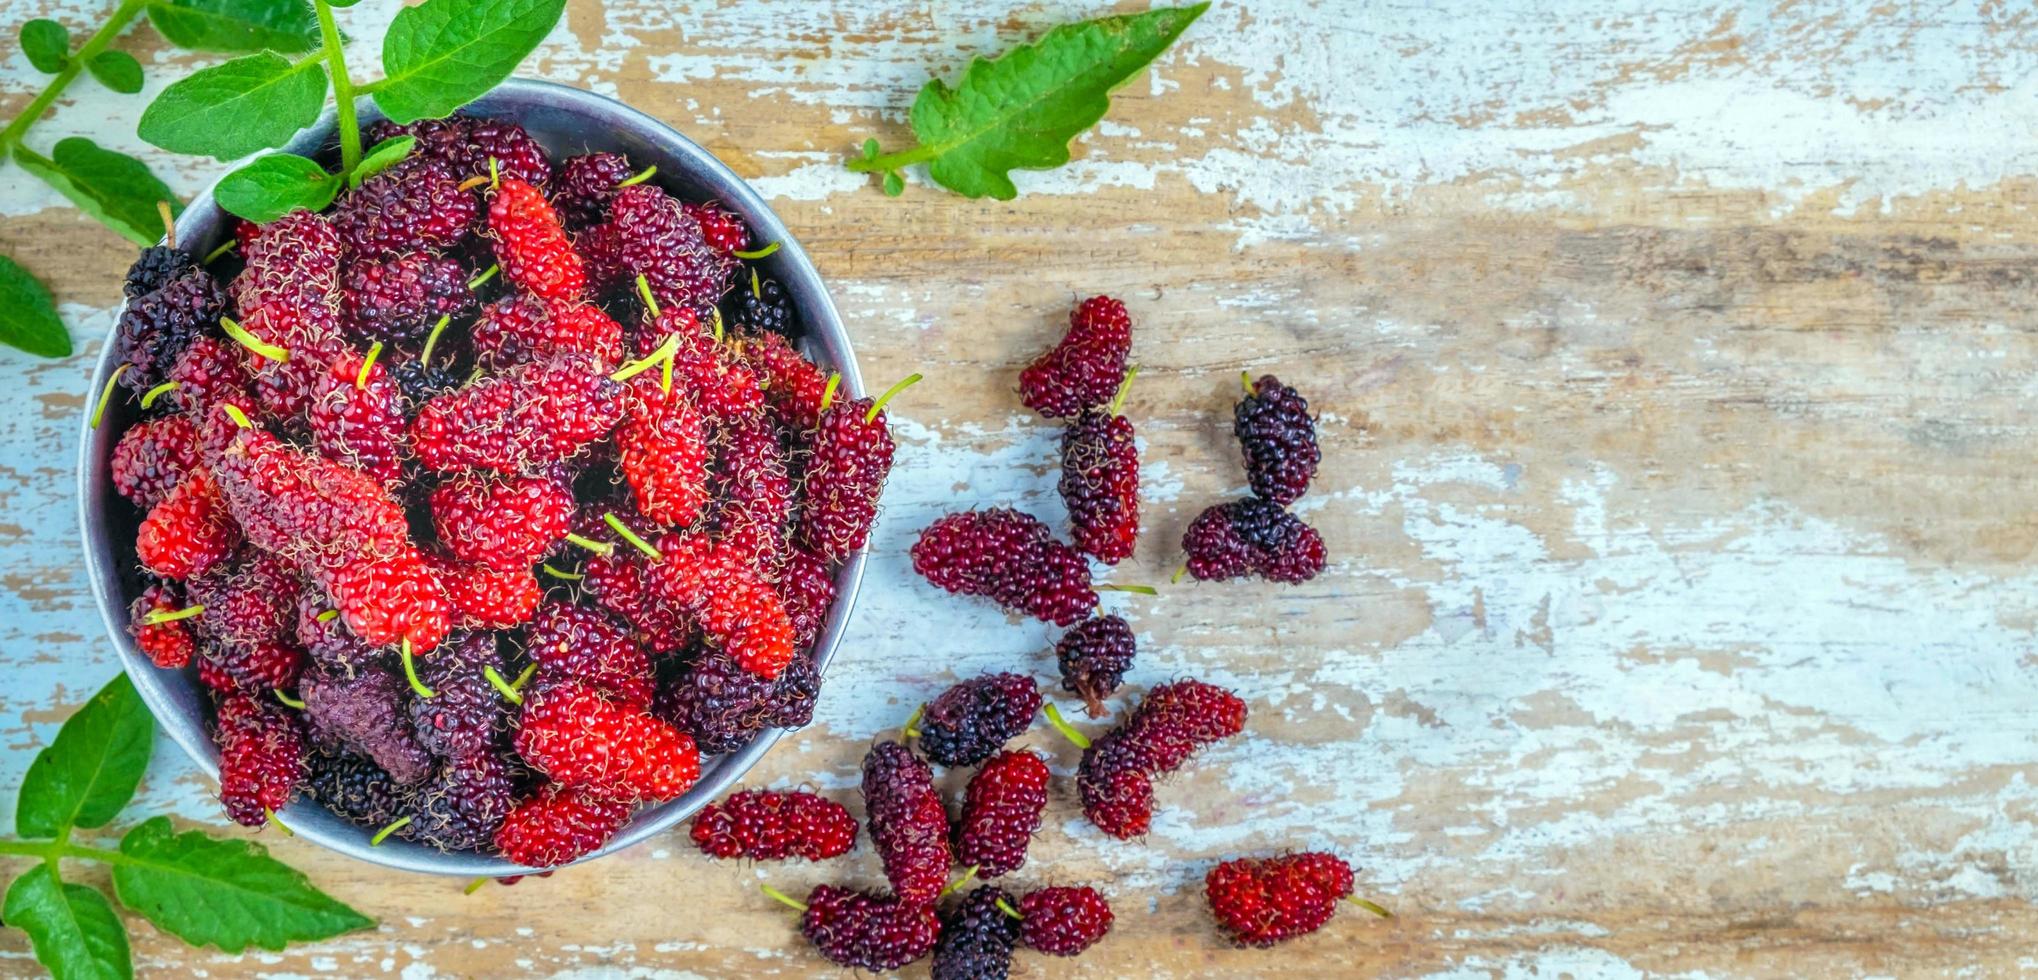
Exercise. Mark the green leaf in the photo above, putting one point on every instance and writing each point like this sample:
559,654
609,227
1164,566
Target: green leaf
272,186
229,893
28,314
232,110
382,156
895,185
236,26
47,44
74,930
84,777
1022,109
117,70
443,54
113,187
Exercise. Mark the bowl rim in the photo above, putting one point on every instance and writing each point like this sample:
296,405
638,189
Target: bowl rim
790,264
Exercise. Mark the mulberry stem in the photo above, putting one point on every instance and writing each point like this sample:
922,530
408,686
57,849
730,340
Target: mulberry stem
149,397
878,406
410,673
106,394
968,875
383,834
644,291
761,253
631,536
908,728
782,897
1118,400
224,247
1369,906
361,379
241,336
286,699
1139,589
425,357
602,548
270,816
1067,730
160,617
1006,907
640,177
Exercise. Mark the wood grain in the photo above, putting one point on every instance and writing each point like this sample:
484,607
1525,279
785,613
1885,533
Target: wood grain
1675,372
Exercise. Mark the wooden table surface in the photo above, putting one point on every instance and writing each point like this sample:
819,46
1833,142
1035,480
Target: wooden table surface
1674,364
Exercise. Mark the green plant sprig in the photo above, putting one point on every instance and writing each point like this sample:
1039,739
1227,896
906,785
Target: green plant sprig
206,891
1021,109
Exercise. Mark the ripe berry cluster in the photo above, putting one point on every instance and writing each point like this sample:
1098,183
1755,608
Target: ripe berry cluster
1259,536
456,564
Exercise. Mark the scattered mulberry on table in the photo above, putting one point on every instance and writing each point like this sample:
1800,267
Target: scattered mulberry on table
1278,435
1263,901
1115,780
977,937
1252,537
976,717
867,931
1085,369
908,823
1063,921
1010,558
1100,484
1094,657
1000,812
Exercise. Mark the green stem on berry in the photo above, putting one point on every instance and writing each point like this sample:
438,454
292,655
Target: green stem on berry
149,397
908,728
234,412
1176,578
485,276
224,247
343,88
507,689
782,897
762,253
716,313
755,289
410,673
1006,907
241,336
494,174
161,616
1067,730
270,816
878,406
631,536
1118,400
969,874
640,177
562,576
169,223
472,182
644,292
1140,589
106,394
287,699
602,548
1245,380
361,379
828,393
1369,906
328,616
475,885
383,834
665,352
122,16
432,340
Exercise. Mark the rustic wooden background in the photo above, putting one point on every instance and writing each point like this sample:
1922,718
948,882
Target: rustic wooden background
1675,369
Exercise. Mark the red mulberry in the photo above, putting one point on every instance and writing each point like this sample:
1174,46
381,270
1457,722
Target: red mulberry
1010,558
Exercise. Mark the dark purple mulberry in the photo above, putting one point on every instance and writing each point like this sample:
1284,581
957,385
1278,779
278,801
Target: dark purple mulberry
587,186
1252,537
365,713
977,938
1278,434
724,706
977,717
155,267
466,715
399,299
464,803
416,205
1094,657
354,788
650,234
157,326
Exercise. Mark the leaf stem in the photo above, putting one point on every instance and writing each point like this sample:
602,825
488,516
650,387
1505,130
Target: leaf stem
343,88
892,161
122,16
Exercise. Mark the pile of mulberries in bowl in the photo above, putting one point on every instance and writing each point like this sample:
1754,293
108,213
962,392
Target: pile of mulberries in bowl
488,501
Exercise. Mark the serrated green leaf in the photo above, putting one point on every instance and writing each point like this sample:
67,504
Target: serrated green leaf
74,930
227,893
1020,110
117,70
84,777
233,109
47,44
443,54
28,314
236,26
272,186
380,157
111,186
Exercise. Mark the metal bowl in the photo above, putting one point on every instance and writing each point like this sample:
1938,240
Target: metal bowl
566,121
